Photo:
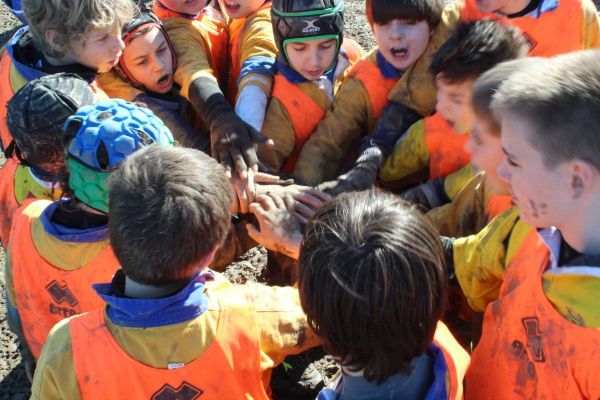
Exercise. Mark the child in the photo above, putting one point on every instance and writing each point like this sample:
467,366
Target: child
486,195
310,68
551,26
63,36
233,139
36,115
437,142
58,249
382,266
402,31
208,20
541,338
171,327
144,74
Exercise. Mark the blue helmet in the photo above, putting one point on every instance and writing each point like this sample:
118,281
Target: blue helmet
99,137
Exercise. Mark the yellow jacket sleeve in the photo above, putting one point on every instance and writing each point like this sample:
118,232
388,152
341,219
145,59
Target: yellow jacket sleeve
417,88
410,155
115,87
346,121
454,182
279,127
480,260
191,47
257,41
590,26
465,215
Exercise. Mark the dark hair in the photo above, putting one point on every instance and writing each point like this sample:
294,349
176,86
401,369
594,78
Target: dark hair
372,281
476,47
488,84
168,208
383,11
560,98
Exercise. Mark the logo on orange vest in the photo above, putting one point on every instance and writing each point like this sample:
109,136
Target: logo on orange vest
531,41
61,293
534,338
534,345
185,391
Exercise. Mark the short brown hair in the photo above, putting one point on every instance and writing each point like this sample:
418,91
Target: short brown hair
73,19
372,281
476,47
560,97
168,208
488,84
383,11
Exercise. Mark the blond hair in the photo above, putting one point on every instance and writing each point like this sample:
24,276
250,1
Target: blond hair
73,20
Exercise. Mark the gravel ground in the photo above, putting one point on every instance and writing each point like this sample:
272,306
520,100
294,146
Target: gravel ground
13,382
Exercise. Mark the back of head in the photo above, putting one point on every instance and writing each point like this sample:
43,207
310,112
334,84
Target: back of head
384,11
475,47
37,113
306,19
372,281
560,99
488,84
99,138
73,19
169,209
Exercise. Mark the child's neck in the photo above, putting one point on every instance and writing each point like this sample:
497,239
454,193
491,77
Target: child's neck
582,233
141,291
514,7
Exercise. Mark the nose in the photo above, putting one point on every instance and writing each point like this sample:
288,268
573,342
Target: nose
158,65
504,170
396,29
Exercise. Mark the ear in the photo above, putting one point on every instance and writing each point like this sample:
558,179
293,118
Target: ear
51,36
582,176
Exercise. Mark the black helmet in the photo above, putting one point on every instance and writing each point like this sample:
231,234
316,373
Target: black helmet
38,111
301,19
142,18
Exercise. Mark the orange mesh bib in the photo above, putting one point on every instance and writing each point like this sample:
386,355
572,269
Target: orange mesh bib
446,148
228,369
44,293
528,350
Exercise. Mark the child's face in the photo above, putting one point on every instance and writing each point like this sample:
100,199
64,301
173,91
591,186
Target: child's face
454,104
311,58
185,6
100,50
540,192
236,9
402,42
486,154
148,58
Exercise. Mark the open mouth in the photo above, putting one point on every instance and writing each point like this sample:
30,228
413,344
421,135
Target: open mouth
232,6
399,52
164,81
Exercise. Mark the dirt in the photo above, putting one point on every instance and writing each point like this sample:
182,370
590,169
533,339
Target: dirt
250,267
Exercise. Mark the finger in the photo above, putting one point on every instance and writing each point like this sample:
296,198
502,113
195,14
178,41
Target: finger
324,197
253,232
225,160
308,199
238,162
249,154
266,201
278,201
263,177
304,210
250,188
301,219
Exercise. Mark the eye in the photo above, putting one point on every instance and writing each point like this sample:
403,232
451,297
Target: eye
103,38
511,162
327,45
298,48
141,61
410,22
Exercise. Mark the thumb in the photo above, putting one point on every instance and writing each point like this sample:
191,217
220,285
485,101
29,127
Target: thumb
258,137
253,232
